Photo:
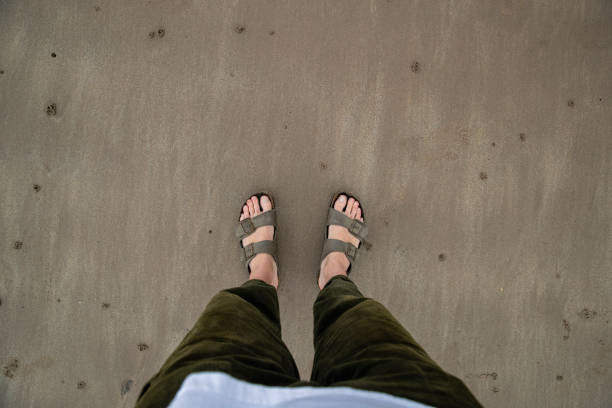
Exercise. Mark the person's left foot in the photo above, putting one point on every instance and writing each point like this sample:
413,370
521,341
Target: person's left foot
336,263
262,266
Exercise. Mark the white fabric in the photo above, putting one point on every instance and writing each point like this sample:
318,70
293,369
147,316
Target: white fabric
213,389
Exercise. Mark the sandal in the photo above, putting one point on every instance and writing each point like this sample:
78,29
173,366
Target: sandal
357,228
248,226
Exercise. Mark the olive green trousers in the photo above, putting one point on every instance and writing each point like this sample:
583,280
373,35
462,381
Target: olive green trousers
358,344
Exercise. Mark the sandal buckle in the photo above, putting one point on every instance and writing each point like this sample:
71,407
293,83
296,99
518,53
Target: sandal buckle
247,226
249,251
355,227
351,251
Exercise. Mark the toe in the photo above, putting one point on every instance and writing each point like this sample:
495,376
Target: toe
266,204
349,206
251,208
255,201
245,211
241,216
340,202
358,215
354,210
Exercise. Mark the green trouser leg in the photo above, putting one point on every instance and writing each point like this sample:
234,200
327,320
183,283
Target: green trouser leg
359,344
238,333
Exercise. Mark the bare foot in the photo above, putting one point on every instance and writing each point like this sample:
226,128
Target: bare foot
336,263
262,266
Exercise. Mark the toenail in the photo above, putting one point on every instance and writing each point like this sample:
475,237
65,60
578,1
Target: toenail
342,198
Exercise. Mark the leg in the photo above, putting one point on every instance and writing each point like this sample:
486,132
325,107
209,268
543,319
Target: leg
359,344
238,333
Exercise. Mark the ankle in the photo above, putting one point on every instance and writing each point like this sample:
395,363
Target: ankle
263,267
334,264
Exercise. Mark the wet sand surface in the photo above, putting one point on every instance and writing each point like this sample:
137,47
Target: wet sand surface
478,135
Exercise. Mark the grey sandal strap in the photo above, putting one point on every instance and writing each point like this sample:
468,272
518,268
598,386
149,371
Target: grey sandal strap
357,228
336,245
247,226
260,247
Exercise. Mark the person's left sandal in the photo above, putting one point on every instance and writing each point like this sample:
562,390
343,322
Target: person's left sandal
357,228
248,226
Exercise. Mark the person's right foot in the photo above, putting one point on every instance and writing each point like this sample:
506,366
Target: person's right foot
263,266
336,263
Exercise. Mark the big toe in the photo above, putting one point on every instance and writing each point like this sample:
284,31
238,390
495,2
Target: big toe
266,204
340,202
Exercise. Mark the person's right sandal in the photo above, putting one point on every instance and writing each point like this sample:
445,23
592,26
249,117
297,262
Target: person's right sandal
357,228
